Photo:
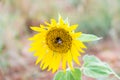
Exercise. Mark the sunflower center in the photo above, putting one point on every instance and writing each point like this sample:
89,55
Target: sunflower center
59,40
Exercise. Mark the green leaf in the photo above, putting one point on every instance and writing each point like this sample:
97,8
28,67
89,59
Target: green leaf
68,75
59,75
95,68
88,38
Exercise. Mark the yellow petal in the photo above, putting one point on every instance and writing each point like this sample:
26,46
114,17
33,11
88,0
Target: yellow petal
61,21
73,27
70,65
53,22
37,46
78,47
57,62
51,66
38,36
38,29
75,55
80,44
76,35
69,56
47,60
48,24
64,62
40,55
42,26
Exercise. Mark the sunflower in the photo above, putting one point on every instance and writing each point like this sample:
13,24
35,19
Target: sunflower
56,43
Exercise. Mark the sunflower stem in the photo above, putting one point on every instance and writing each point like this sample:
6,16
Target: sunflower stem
116,75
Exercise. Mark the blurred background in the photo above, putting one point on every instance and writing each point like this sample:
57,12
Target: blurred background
99,17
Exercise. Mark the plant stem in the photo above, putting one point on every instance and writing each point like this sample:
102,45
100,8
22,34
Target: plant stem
116,75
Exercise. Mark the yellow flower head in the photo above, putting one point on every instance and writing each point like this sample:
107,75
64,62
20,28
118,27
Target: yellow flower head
56,43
